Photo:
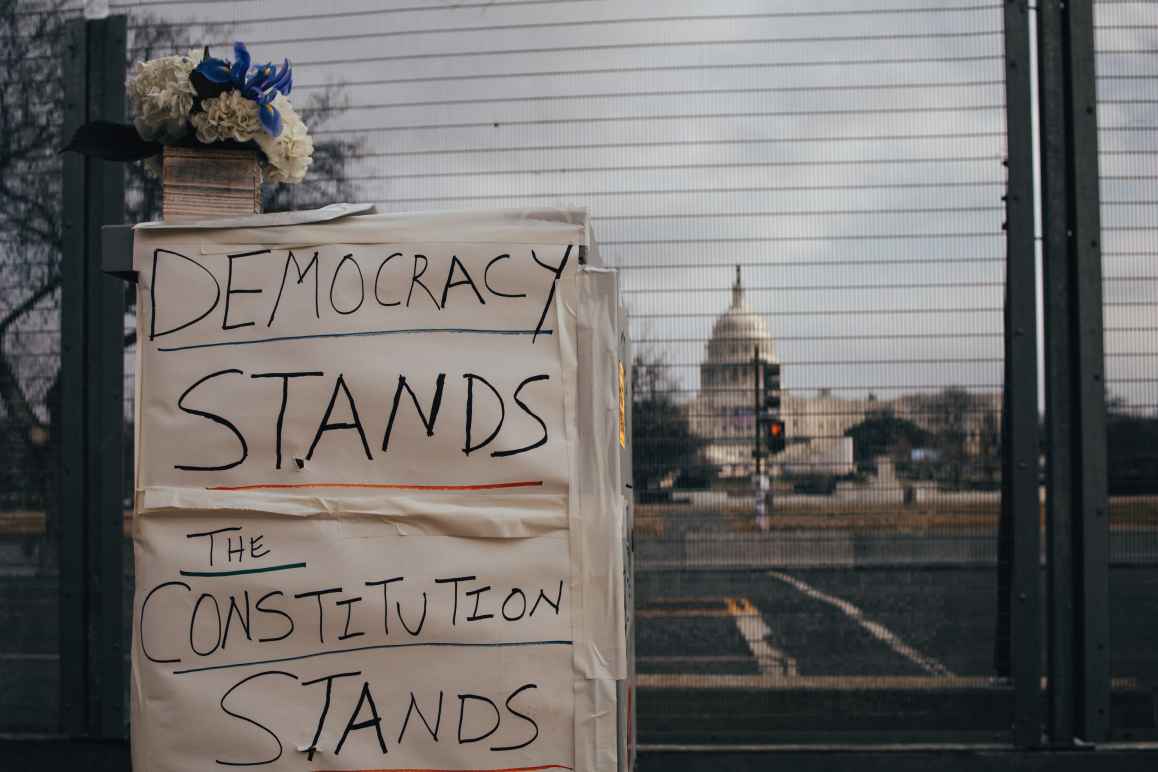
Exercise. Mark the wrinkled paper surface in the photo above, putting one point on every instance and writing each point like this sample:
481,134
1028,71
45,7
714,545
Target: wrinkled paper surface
359,539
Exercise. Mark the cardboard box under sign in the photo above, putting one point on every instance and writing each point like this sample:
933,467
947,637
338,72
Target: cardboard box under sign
202,183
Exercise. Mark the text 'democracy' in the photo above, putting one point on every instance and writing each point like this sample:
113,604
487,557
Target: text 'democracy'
412,367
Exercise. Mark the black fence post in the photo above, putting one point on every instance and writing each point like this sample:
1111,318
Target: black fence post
73,604
1020,505
1075,389
92,650
1060,469
106,324
1092,544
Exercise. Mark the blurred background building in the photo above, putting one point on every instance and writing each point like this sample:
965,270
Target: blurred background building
820,427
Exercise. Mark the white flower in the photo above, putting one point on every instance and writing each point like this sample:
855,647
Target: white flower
162,96
229,116
288,155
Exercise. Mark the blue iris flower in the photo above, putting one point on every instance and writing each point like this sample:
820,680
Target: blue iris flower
261,84
215,70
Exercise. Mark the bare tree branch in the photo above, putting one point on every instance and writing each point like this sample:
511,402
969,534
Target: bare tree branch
13,395
32,44
27,305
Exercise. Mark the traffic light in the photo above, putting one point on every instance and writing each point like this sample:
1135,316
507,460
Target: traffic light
771,395
774,435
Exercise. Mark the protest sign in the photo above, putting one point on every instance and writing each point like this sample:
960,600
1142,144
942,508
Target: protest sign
378,496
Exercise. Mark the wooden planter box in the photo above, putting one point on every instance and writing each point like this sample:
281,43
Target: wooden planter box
206,183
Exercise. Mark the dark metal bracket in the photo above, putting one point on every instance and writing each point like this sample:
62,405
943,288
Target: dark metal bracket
117,252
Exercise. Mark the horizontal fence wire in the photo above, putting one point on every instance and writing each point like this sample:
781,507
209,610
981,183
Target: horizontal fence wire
847,159
1126,35
30,349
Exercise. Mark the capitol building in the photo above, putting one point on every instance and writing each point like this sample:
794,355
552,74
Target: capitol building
723,411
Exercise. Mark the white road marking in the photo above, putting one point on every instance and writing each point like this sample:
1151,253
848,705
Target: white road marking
755,631
876,629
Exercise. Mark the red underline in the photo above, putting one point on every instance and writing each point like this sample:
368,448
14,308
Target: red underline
499,769
385,486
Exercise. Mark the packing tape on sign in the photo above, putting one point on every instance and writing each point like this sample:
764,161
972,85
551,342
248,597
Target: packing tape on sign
596,517
529,226
596,725
482,514
596,504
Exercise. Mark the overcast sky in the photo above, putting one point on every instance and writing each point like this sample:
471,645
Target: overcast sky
850,160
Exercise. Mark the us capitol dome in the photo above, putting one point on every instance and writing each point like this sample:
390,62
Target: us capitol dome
723,412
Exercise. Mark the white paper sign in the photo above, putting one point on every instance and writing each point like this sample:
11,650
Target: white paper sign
356,455
331,643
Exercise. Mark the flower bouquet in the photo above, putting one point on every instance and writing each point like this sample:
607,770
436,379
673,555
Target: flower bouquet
197,102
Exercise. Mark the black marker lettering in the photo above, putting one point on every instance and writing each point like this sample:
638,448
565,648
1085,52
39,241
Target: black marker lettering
317,594
193,625
153,334
416,278
539,442
277,611
378,277
477,593
554,282
215,419
427,422
243,620
231,550
462,698
468,448
522,599
385,583
326,426
421,620
376,721
255,545
230,291
248,720
285,379
301,278
349,604
465,280
456,580
543,596
523,716
211,534
487,280
361,285
414,708
141,623
329,681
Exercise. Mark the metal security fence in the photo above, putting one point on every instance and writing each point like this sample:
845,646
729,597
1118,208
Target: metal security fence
1126,35
818,182
842,190
30,347
856,241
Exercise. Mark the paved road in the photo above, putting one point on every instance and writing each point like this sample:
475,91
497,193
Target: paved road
845,604
917,621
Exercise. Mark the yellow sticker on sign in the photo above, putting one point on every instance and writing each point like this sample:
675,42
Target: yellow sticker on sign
622,407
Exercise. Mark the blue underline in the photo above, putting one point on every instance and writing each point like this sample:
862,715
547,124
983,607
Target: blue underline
363,334
354,649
